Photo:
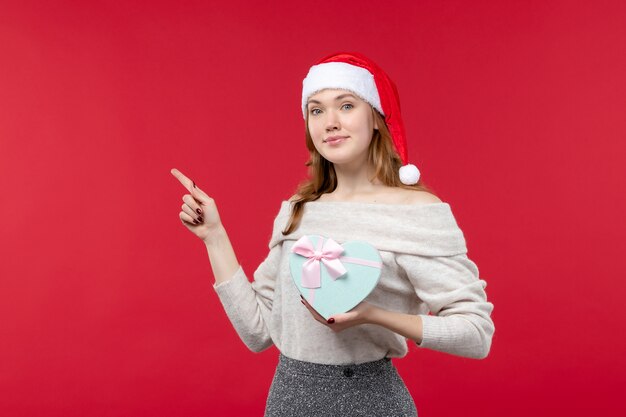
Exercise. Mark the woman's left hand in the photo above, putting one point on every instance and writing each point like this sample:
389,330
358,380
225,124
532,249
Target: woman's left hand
361,314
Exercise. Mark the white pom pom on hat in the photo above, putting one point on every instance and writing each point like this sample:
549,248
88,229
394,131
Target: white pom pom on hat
409,174
354,72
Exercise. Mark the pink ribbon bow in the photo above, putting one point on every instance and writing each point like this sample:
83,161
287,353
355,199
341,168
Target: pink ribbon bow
328,251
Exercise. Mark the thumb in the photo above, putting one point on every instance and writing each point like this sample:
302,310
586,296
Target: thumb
198,194
344,317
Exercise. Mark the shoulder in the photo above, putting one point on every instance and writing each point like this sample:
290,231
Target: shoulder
395,196
294,197
418,197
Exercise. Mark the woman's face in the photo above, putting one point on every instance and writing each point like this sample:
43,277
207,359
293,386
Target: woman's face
340,113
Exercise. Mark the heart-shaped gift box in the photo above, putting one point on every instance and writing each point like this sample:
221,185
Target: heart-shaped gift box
334,278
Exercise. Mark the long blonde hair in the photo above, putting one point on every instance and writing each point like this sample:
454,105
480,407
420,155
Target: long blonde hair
322,178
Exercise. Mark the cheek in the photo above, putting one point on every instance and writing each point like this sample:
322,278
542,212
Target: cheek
360,123
363,127
314,129
316,137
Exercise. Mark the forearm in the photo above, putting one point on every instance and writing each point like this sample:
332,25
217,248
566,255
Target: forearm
407,325
248,305
221,255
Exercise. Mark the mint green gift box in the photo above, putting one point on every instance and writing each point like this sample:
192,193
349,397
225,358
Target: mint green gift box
347,290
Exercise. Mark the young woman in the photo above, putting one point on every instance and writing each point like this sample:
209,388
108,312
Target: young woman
360,189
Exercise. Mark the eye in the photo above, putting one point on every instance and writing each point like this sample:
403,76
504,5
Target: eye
347,104
313,112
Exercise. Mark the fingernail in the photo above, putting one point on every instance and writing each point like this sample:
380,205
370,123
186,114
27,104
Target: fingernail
200,219
194,184
302,302
198,211
331,320
195,222
301,296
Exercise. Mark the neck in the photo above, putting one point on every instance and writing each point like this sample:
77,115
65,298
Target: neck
354,180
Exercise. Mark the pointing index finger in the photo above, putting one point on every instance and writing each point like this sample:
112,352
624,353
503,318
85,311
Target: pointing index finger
186,182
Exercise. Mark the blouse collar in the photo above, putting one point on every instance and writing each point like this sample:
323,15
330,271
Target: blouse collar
418,229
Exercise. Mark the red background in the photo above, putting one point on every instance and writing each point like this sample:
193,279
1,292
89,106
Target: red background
516,116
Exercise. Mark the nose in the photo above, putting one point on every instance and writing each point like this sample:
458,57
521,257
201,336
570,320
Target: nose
332,121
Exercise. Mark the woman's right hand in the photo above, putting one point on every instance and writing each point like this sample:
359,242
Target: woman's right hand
199,212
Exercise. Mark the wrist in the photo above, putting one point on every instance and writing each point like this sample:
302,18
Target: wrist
375,315
407,325
215,235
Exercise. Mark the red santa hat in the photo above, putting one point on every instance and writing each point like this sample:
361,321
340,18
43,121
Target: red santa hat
355,72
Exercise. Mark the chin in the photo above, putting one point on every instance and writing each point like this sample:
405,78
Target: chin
333,159
338,162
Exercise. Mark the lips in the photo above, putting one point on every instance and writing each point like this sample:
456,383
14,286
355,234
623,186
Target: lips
334,139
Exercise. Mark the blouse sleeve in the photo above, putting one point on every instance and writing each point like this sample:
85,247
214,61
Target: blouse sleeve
450,287
248,305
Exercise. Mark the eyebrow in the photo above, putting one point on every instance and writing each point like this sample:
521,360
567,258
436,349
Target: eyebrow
336,98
